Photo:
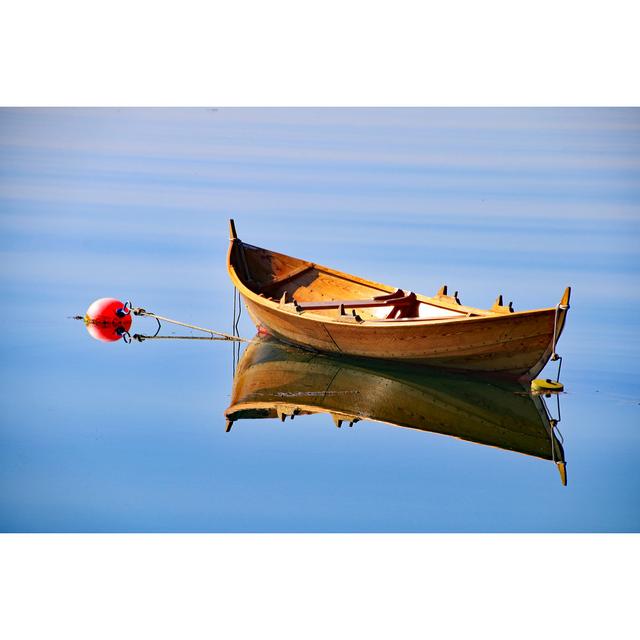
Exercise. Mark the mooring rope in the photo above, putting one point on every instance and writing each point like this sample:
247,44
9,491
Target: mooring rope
137,311
554,355
233,322
237,312
236,331
553,425
141,338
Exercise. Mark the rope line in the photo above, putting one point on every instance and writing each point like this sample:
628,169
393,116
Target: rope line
233,322
236,331
554,355
222,336
553,428
237,311
141,338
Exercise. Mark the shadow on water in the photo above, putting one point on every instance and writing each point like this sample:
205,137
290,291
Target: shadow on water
274,380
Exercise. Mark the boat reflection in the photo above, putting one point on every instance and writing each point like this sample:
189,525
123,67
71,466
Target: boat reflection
273,379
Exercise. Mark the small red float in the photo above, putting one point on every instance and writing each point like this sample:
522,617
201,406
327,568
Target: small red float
107,319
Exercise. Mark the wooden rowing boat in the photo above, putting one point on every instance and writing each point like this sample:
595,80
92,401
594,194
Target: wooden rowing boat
274,379
316,307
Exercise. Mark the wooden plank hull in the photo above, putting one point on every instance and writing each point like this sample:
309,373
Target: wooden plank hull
516,345
274,379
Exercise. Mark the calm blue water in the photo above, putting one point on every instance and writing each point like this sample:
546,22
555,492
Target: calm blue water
134,204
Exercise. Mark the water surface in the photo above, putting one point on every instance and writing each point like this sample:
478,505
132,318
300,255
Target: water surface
134,204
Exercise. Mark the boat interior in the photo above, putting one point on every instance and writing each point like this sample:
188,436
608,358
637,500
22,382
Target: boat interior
310,287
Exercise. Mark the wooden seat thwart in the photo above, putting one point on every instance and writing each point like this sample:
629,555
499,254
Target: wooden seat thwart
404,305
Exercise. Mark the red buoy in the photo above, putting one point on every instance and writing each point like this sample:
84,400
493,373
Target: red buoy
107,319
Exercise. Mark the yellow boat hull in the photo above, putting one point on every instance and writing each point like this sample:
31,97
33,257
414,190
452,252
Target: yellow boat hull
277,290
